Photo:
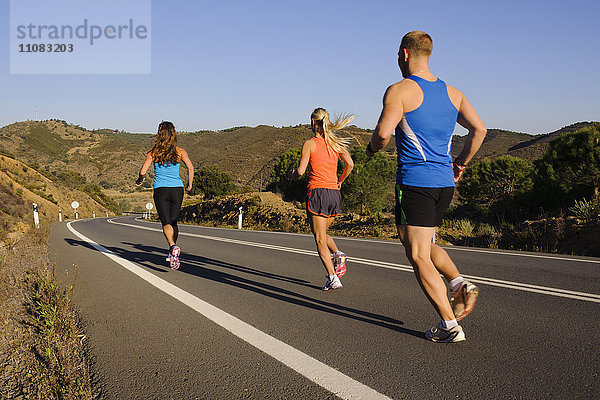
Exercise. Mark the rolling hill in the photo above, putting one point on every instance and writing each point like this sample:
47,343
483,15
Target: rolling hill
111,159
21,185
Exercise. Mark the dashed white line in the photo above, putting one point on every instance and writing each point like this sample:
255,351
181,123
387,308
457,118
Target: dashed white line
451,248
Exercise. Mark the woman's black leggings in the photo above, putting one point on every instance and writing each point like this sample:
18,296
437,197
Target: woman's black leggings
168,203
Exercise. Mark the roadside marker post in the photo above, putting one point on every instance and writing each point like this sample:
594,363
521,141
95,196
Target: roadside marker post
36,216
240,218
149,207
75,205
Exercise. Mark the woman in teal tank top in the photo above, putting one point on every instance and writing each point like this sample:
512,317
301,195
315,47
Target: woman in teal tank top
168,187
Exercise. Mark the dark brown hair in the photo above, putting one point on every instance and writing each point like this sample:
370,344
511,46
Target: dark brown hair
164,150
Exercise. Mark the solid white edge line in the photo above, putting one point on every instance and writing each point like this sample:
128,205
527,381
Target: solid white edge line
323,375
595,298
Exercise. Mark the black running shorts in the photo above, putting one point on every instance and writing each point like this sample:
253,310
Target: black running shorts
324,202
421,206
168,203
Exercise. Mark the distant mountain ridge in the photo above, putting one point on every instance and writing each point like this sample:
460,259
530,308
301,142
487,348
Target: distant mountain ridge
523,145
112,158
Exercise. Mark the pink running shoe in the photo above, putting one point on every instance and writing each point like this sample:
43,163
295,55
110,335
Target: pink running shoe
174,261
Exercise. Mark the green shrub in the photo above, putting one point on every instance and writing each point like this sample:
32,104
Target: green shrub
484,229
211,182
378,217
367,188
291,189
447,223
586,209
464,227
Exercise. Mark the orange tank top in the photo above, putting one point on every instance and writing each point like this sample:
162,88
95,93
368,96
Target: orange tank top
323,166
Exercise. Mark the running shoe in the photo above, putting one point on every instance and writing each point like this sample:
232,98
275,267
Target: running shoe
443,335
339,263
332,283
174,262
463,300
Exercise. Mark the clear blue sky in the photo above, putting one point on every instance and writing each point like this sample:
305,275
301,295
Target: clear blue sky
528,66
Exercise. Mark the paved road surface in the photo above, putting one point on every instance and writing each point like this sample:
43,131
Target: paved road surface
244,318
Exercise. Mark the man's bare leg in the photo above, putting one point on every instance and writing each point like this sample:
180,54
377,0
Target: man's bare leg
443,263
417,243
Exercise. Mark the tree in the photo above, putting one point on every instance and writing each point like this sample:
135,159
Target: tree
211,182
290,189
497,186
372,179
570,168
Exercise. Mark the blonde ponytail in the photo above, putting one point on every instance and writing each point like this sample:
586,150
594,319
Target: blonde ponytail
337,143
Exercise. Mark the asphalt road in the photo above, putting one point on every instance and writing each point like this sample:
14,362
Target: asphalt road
244,317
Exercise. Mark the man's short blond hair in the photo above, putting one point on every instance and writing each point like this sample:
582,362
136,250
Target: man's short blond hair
418,43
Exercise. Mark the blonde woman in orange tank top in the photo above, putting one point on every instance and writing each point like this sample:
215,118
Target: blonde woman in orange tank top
320,155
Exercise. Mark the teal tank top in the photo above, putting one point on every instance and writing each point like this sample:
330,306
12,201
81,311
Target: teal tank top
167,175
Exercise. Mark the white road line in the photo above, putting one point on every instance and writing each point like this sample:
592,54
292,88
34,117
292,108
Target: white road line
505,253
397,243
591,297
323,375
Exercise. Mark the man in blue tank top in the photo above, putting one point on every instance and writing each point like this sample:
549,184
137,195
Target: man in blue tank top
423,111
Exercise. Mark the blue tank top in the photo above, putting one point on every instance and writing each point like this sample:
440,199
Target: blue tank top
167,175
424,137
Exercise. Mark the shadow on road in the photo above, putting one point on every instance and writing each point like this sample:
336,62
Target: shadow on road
203,267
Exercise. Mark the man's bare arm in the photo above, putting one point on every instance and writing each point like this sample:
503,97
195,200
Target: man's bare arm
391,115
468,118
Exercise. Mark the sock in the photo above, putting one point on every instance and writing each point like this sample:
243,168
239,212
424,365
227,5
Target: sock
449,324
456,283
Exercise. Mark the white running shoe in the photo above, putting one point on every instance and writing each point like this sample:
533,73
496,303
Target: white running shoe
463,300
443,335
332,283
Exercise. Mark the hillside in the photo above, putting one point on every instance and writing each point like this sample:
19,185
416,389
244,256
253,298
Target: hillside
111,159
535,147
108,159
248,154
21,185
523,145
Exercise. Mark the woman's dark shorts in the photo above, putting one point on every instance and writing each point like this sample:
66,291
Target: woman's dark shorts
168,203
324,202
421,206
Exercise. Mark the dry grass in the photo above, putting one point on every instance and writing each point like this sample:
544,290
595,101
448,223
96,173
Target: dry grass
29,186
41,346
